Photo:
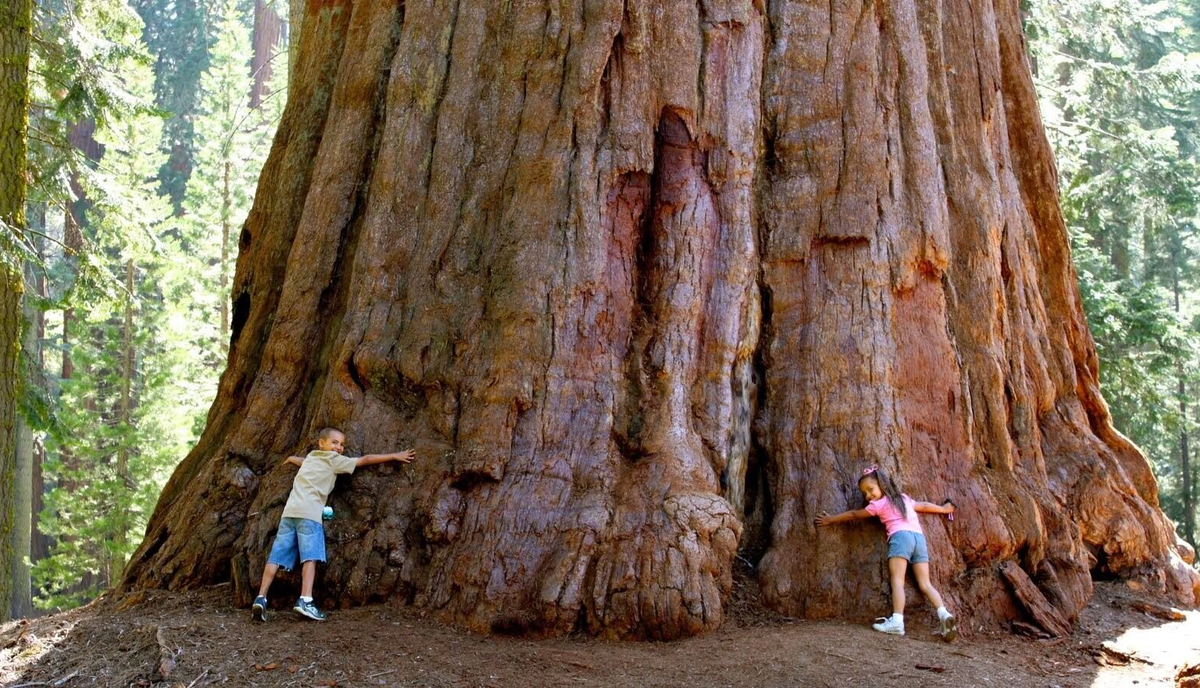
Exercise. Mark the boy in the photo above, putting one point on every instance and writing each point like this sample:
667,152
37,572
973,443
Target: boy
300,531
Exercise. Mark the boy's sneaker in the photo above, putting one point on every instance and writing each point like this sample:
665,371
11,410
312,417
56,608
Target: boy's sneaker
308,609
890,625
259,608
949,628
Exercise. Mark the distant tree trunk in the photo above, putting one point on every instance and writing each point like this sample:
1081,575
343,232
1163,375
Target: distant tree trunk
72,244
264,41
1185,462
22,599
226,209
73,218
608,265
15,26
41,543
120,533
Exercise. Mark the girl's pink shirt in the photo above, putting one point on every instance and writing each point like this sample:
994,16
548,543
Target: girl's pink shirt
893,521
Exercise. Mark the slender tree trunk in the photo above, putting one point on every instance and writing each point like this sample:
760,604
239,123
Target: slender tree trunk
40,547
72,246
1185,462
22,599
120,534
592,258
15,27
81,138
223,293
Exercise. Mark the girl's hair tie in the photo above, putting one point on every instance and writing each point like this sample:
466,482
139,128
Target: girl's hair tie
869,471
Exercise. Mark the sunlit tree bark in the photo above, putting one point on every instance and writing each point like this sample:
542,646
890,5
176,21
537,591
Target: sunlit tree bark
611,267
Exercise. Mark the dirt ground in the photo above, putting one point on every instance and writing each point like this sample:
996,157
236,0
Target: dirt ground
124,642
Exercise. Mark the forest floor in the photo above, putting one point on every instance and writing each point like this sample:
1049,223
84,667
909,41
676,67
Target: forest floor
122,642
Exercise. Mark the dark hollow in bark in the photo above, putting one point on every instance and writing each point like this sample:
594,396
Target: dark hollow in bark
645,283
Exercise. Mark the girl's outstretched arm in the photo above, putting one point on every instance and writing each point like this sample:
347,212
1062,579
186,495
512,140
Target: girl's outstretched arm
930,508
826,520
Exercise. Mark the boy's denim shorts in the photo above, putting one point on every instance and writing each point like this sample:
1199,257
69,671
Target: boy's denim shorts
297,536
909,545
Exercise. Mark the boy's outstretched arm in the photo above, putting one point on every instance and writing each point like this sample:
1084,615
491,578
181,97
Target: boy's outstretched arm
826,520
370,459
294,460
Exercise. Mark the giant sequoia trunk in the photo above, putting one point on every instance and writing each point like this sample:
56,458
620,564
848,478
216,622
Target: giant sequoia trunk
649,282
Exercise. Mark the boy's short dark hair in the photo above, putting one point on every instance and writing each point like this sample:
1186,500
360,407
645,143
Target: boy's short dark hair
327,431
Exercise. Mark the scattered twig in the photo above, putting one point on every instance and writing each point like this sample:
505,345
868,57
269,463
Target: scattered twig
66,678
197,679
383,673
581,665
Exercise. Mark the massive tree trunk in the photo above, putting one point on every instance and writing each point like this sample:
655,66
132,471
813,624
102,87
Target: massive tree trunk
645,283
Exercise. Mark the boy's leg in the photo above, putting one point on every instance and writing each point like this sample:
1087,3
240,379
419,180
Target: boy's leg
312,549
284,552
268,577
308,572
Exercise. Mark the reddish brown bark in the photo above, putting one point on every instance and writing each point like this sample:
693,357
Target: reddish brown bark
645,283
268,29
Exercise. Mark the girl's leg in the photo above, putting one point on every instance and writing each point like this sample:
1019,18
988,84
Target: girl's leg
921,573
897,566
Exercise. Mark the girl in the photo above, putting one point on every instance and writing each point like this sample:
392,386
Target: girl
906,543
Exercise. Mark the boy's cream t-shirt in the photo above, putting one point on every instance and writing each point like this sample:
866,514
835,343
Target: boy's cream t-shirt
314,481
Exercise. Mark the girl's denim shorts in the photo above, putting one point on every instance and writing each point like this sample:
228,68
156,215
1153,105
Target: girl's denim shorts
908,545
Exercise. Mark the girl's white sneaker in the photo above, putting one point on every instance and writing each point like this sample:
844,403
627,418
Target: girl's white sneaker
890,625
949,629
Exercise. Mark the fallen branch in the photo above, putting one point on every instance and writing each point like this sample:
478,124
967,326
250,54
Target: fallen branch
197,679
1158,611
166,656
55,683
1108,655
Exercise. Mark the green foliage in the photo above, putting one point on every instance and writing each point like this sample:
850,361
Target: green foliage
143,338
1120,85
229,154
175,34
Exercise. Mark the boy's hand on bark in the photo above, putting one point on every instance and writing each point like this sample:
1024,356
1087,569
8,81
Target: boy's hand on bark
824,519
405,456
